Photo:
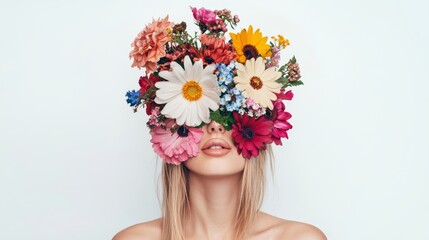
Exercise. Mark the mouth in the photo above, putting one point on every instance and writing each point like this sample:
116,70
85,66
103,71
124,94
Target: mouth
216,147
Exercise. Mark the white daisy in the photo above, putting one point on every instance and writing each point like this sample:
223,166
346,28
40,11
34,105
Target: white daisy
188,93
258,83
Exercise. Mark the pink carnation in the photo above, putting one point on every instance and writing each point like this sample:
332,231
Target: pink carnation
204,16
149,45
175,148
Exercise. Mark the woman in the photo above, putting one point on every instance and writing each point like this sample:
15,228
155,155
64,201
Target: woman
217,195
214,106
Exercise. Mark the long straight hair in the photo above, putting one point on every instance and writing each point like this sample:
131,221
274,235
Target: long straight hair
176,205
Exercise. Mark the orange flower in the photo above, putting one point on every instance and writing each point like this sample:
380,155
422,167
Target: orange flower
149,45
216,50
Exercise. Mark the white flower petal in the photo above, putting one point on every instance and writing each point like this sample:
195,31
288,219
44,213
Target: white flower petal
192,118
168,85
242,86
209,82
211,103
197,70
188,68
169,106
178,72
272,86
176,109
181,119
270,74
170,76
240,67
250,67
259,67
203,112
209,69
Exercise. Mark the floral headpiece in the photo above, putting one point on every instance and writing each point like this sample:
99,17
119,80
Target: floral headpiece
192,79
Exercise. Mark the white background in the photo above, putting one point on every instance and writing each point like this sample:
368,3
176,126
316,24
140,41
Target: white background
76,163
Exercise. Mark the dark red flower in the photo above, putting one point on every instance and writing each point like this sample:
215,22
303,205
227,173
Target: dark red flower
251,135
280,118
150,105
147,85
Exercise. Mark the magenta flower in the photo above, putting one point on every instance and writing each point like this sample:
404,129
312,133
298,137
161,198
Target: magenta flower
176,147
284,95
250,134
204,16
281,125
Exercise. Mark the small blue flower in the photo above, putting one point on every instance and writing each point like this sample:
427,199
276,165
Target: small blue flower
232,65
221,78
222,101
228,79
133,97
227,97
229,108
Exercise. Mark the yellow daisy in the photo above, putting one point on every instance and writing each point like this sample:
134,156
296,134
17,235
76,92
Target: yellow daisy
258,83
249,44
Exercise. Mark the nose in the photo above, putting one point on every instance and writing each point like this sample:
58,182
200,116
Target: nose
215,127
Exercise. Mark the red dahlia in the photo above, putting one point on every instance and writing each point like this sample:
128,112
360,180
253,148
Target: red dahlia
251,135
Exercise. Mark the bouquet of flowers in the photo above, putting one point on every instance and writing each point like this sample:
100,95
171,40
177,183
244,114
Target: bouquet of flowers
192,79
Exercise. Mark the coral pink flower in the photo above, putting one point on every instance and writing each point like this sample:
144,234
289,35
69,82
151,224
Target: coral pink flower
176,147
203,15
281,125
216,50
149,45
250,134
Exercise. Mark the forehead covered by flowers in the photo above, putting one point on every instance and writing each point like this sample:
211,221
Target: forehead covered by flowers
190,79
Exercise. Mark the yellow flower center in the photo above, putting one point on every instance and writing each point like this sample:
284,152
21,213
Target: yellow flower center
192,91
256,82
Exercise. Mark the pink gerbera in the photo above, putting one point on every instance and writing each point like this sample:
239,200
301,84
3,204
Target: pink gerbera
149,45
250,134
177,146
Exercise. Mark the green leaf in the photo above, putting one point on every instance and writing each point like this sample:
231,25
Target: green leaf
223,117
293,84
282,80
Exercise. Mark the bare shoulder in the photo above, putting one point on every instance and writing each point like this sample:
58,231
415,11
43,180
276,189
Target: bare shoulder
147,230
270,227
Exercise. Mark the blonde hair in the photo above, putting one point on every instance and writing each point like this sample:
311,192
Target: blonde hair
176,205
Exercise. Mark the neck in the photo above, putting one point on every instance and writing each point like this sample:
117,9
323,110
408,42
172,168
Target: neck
214,202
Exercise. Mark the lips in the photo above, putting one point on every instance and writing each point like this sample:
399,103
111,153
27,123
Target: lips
216,147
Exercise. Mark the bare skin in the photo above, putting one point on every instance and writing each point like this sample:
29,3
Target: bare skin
215,184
